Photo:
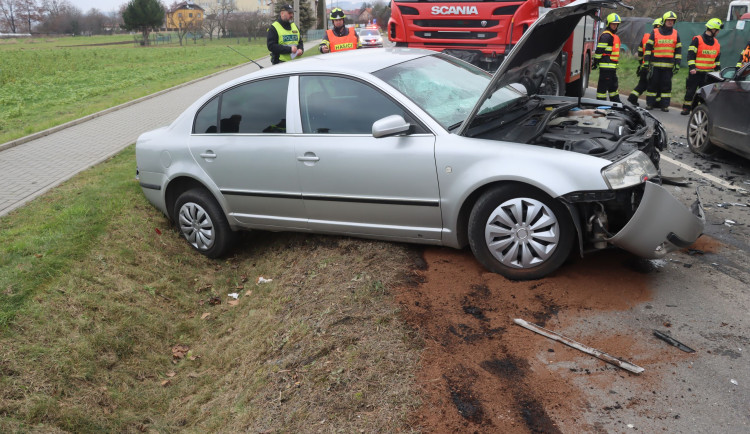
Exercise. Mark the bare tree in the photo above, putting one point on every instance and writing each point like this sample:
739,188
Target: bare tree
224,10
9,15
210,25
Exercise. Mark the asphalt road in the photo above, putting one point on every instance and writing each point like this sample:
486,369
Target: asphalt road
703,297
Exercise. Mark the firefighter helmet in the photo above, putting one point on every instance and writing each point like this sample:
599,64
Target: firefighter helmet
669,15
613,18
658,22
714,24
337,14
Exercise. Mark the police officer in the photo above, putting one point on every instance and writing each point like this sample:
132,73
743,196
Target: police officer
744,56
606,58
641,71
284,39
703,57
340,37
663,56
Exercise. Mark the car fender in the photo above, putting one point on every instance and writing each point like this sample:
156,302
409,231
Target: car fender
466,167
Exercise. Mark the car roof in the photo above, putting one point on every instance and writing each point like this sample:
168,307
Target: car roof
363,61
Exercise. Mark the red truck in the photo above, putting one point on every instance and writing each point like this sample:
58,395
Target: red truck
482,32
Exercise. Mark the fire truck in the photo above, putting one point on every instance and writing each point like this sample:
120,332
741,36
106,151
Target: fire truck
483,32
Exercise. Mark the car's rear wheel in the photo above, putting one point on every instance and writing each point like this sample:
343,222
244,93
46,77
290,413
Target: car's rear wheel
698,128
201,221
520,232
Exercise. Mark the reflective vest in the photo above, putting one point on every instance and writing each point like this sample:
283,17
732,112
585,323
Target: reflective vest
744,56
664,48
644,39
341,43
286,37
611,55
705,58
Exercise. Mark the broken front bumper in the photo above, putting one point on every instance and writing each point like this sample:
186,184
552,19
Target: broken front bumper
660,225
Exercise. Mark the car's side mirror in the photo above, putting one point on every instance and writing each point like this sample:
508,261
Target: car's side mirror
392,125
728,73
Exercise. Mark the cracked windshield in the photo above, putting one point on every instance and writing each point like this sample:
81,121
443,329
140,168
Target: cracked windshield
445,88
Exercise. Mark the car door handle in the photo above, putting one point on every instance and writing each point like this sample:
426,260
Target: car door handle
307,158
208,154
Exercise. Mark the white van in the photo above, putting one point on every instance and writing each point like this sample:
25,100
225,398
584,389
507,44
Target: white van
737,8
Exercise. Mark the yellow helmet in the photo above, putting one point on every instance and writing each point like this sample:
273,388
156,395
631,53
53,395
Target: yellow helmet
613,18
337,14
658,22
714,24
669,16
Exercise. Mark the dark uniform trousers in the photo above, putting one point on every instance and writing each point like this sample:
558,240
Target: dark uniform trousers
608,84
692,84
660,82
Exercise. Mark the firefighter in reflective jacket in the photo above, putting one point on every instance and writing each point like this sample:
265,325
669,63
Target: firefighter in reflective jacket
663,56
340,37
606,58
703,57
642,72
283,39
744,56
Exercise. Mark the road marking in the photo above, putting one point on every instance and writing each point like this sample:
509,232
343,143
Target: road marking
711,178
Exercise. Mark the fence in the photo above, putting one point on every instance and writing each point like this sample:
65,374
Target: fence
732,39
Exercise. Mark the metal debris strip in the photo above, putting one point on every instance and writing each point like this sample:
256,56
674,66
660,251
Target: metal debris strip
586,349
672,341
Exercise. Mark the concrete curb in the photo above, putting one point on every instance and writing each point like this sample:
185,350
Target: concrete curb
40,134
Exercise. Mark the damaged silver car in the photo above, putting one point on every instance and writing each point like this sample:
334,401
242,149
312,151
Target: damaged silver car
445,154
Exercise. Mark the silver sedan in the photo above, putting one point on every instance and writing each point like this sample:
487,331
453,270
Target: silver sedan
444,154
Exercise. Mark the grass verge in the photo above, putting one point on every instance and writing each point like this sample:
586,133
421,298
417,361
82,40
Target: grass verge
628,79
47,82
111,323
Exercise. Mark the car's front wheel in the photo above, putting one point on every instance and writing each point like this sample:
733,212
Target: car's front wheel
201,221
520,232
698,128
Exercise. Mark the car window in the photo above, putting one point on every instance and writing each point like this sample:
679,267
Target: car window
252,108
338,105
443,86
369,32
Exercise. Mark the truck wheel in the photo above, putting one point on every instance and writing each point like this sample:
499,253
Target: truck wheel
520,232
578,88
554,82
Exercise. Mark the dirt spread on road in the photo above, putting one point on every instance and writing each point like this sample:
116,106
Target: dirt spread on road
482,373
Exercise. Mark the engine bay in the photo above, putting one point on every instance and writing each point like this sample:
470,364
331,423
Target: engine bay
602,131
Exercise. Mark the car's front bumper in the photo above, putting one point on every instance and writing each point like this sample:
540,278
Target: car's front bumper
660,225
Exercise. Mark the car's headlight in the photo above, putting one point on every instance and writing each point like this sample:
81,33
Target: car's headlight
631,170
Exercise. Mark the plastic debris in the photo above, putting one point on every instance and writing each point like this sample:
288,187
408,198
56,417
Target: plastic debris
588,350
733,381
630,425
262,279
730,223
672,341
234,295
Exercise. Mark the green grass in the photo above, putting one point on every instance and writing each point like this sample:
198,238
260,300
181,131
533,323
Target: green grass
46,82
97,290
628,79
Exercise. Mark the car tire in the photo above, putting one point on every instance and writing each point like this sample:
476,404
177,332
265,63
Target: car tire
578,87
698,128
201,221
520,232
554,82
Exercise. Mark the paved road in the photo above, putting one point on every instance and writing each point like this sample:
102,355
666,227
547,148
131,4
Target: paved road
32,168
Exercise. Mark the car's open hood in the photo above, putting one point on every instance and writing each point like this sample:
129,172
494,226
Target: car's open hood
528,62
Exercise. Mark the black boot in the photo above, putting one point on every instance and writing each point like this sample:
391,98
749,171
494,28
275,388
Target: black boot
632,99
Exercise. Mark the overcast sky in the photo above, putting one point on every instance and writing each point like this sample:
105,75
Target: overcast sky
102,5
